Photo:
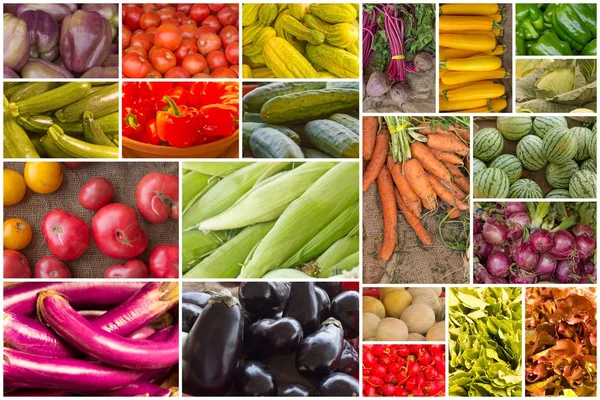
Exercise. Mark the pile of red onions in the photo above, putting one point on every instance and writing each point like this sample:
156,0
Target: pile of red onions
502,256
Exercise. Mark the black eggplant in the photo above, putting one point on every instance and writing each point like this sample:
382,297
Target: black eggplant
324,303
279,336
189,315
332,288
263,299
295,390
349,362
213,348
199,299
303,306
254,378
320,353
344,308
338,384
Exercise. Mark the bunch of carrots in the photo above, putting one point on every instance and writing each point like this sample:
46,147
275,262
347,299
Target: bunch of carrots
431,173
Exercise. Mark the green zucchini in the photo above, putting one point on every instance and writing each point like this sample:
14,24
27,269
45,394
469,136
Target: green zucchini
78,148
312,153
51,148
343,85
37,143
100,103
8,91
347,121
254,99
308,105
16,142
50,100
252,117
332,138
32,89
92,132
108,123
270,143
36,123
248,129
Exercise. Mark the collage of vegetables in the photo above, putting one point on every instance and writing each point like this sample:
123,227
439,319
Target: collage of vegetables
300,199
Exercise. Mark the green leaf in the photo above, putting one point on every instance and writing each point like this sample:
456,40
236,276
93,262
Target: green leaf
471,301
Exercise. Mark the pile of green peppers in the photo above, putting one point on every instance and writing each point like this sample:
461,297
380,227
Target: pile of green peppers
556,29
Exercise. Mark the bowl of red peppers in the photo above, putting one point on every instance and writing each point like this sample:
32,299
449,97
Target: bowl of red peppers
179,119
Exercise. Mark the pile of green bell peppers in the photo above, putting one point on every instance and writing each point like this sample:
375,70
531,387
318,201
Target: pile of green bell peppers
556,29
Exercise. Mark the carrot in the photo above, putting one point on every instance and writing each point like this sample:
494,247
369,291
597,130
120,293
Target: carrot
458,193
390,219
458,177
454,213
369,130
446,195
417,178
448,157
465,134
413,221
429,161
447,143
377,160
441,131
425,128
410,198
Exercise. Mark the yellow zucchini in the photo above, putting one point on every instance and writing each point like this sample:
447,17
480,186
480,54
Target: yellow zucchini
482,63
441,72
474,92
447,54
486,33
456,77
497,17
446,105
468,9
459,23
493,106
444,87
479,43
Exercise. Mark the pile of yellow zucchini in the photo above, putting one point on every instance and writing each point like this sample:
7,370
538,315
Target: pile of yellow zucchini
470,62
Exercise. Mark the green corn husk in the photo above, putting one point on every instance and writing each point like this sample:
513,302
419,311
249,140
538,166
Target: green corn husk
269,200
215,168
229,190
286,273
226,261
334,254
197,244
345,224
346,264
193,185
327,198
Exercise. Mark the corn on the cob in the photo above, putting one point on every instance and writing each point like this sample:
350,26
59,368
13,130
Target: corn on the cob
345,264
215,168
192,186
197,244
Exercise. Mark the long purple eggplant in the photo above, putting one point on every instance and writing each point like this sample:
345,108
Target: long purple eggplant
38,393
91,315
161,334
143,333
143,389
20,299
108,347
28,335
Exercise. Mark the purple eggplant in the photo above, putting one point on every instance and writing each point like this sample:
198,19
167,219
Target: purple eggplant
143,389
332,288
16,42
161,334
101,72
254,378
189,315
56,11
44,34
320,353
108,11
37,393
9,73
324,303
142,333
338,384
295,390
85,40
344,307
278,336
349,361
199,299
38,68
263,299
303,306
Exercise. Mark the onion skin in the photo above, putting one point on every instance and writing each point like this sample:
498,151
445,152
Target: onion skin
526,257
563,245
28,335
541,240
495,232
498,265
513,207
565,271
582,229
481,248
477,226
545,266
483,276
105,346
523,277
585,247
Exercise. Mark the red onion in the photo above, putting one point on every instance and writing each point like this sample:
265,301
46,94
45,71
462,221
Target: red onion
565,271
563,244
541,240
585,246
520,218
545,278
526,257
481,248
498,264
588,268
495,232
582,229
477,226
521,276
483,276
515,207
545,265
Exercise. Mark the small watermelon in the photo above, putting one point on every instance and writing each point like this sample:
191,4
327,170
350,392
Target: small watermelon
558,194
488,144
525,189
589,164
477,166
510,165
591,144
514,128
559,175
583,185
530,152
491,183
582,136
560,145
542,125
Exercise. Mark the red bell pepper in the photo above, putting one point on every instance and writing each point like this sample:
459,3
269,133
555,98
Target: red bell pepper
150,135
218,120
133,122
178,125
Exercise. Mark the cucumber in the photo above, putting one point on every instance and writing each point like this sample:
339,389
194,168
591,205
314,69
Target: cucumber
100,103
312,153
347,121
78,148
248,128
343,85
309,105
270,143
52,99
92,131
252,117
254,99
332,138
32,89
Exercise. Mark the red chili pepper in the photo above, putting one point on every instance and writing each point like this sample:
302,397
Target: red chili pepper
178,125
218,120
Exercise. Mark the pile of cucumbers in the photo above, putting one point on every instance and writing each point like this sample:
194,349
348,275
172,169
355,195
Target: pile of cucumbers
302,120
61,120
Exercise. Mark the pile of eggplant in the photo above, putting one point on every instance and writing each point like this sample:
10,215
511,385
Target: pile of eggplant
242,345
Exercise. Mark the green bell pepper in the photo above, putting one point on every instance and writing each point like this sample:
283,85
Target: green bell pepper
589,49
568,24
549,44
548,12
530,20
587,13
521,49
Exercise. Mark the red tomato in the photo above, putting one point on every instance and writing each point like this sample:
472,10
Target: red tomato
125,37
235,7
135,66
157,197
235,68
138,32
188,46
164,261
229,34
188,21
163,60
149,7
223,72
170,21
194,63
212,22
96,193
166,13
50,267
177,72
142,41
184,8
66,235
203,29
232,52
201,75
180,16
15,265
132,17
149,19
216,59
227,16
199,11
117,232
151,53
188,31
167,36
154,74
208,42
163,5
131,269
216,7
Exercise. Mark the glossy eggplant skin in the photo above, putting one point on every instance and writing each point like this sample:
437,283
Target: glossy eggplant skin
338,384
344,308
213,348
324,303
349,361
199,299
303,306
276,336
320,353
295,390
332,288
189,315
254,378
263,299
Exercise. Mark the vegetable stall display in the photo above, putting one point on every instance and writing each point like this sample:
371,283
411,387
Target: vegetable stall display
53,220
416,161
270,220
301,120
475,58
91,339
526,158
556,86
405,315
561,350
309,40
485,338
398,57
180,40
270,338
61,120
404,370
556,29
525,243
56,41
